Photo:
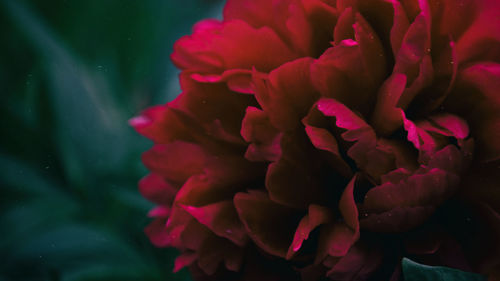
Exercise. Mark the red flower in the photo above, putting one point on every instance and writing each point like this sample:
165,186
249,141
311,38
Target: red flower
323,138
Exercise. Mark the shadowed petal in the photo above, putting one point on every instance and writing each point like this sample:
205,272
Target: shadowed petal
270,225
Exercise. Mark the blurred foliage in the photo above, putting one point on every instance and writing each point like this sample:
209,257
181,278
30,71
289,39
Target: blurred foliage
72,72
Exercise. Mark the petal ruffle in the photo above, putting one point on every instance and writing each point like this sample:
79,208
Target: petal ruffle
210,49
222,219
316,216
270,225
264,139
286,94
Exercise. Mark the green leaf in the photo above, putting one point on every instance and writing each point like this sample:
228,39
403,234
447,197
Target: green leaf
413,271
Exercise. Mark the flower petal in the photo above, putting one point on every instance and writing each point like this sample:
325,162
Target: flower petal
210,49
287,94
154,188
290,173
175,161
317,215
337,238
264,139
270,225
476,99
222,219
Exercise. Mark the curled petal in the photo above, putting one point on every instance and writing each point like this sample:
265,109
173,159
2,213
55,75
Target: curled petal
386,116
157,233
264,139
215,250
343,29
428,189
184,259
317,215
399,27
175,161
210,49
287,94
357,264
270,225
238,80
156,189
290,173
222,219
477,100
337,238
399,219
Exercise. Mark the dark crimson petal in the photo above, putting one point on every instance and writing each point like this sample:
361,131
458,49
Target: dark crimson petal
422,81
386,116
289,19
305,24
323,140
477,99
357,264
489,239
194,235
250,11
343,29
290,173
399,27
323,16
348,208
448,159
208,103
238,80
372,52
420,138
372,157
413,58
160,211
264,139
345,118
457,16
337,72
415,45
215,250
398,219
270,225
449,125
222,219
223,176
154,121
287,94
431,136
210,49
175,161
178,229
154,188
480,42
157,233
430,188
317,215
184,259
337,238
480,184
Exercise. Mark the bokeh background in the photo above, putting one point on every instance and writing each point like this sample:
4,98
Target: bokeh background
72,72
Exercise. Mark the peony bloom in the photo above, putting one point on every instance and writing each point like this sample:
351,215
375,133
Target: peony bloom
327,139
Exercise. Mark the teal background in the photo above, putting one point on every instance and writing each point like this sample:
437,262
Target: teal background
72,72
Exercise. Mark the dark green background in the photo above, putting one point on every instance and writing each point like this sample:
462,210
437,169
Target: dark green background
72,72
